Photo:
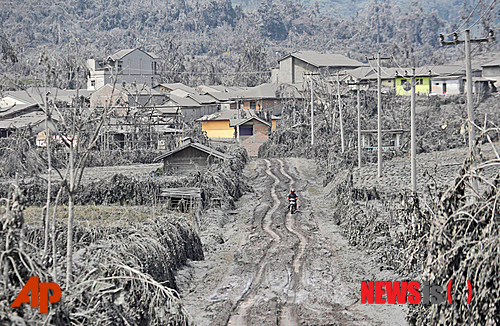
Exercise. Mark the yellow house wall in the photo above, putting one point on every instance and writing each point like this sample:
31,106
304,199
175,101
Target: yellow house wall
419,89
217,129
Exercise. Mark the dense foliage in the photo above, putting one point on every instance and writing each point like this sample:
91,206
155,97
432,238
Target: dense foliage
216,41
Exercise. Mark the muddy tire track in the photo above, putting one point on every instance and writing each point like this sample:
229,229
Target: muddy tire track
239,315
290,225
288,315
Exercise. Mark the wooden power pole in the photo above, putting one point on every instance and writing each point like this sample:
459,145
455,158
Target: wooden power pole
312,104
340,114
470,104
379,113
358,84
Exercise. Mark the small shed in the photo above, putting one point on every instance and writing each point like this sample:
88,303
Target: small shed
191,156
369,139
185,198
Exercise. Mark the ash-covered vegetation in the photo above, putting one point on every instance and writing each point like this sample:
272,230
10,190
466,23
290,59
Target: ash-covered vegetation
224,180
445,231
123,275
112,268
220,42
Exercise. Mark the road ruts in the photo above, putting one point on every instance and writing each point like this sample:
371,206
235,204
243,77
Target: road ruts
247,300
288,317
290,225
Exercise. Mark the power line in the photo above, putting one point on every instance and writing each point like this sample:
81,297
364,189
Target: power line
484,13
466,20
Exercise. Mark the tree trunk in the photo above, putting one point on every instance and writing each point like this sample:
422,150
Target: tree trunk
69,254
71,193
54,248
49,184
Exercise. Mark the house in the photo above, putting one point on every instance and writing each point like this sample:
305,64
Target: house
244,126
387,76
177,89
193,106
191,156
22,109
126,96
492,70
422,82
265,97
34,120
35,96
125,66
293,66
223,99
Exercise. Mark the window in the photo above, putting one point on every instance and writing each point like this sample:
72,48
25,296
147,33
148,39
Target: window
253,105
419,81
246,130
120,65
92,83
403,81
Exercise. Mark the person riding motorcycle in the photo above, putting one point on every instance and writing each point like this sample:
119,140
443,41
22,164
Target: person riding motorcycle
293,195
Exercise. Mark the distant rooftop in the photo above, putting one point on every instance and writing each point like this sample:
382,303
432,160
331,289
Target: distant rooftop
324,59
122,53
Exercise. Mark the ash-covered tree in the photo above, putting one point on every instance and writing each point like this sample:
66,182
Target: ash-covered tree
252,69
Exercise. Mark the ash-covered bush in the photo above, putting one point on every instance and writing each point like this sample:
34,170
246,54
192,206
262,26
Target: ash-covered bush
224,180
123,275
462,246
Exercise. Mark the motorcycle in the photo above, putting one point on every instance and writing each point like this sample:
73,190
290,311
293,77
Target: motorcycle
292,205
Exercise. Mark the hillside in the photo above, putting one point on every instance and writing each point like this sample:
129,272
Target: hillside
219,41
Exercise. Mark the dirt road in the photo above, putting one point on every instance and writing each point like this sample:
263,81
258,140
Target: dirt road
274,268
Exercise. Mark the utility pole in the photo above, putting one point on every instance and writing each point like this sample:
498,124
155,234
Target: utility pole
359,125
413,133
312,112
358,84
340,113
413,136
379,112
312,104
470,101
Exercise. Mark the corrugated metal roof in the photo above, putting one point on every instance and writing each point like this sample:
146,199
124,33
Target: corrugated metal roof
202,99
181,101
174,86
22,121
223,115
492,63
33,95
324,59
198,146
16,108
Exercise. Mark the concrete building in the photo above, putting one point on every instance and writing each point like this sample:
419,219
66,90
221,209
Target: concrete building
293,66
492,70
125,66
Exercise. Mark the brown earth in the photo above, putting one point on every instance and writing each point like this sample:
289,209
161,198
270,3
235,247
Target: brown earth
264,266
